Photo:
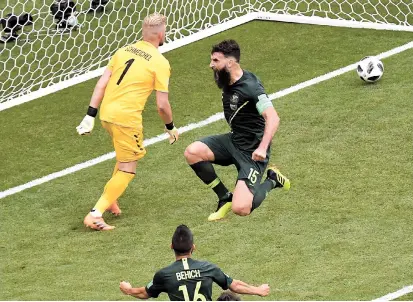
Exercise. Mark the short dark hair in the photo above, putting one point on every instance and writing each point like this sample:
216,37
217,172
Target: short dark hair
182,240
228,48
228,296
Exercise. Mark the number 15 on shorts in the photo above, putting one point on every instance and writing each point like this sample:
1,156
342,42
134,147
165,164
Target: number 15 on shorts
253,175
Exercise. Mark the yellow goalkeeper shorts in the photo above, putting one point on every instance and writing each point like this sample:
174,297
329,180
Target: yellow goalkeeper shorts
128,142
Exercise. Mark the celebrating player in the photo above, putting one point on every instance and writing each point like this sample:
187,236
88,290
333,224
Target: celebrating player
187,279
253,121
131,76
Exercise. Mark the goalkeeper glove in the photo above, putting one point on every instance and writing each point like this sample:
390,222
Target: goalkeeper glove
88,122
172,131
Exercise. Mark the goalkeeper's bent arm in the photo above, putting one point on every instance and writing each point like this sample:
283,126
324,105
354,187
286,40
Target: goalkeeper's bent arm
88,122
165,112
100,88
164,108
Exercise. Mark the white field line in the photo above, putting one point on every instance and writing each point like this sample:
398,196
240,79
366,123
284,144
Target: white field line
189,127
401,292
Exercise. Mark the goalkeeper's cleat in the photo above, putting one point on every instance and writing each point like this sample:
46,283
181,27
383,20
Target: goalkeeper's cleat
97,223
114,209
223,208
280,180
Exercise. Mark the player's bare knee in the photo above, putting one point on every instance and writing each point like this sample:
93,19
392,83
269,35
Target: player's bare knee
191,154
241,210
195,152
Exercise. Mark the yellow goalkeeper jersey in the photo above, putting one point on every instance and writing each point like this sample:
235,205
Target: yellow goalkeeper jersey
137,70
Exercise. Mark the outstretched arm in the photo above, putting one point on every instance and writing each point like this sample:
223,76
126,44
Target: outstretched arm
241,287
137,292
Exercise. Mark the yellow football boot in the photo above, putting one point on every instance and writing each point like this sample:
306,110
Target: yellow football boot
280,180
224,207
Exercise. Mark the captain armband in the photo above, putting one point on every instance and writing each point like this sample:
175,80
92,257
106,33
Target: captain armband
263,103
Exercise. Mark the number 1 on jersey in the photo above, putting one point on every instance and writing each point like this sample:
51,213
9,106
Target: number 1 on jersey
128,65
197,295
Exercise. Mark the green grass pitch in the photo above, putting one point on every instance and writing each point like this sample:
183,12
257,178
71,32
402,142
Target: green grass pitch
343,232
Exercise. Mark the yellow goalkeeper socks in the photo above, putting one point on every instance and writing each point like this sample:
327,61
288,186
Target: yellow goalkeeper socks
113,190
116,169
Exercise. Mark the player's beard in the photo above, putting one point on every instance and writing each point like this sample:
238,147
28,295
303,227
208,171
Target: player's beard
222,77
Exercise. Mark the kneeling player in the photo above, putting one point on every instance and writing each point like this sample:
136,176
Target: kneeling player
188,279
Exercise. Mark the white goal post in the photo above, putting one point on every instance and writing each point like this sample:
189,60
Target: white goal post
47,45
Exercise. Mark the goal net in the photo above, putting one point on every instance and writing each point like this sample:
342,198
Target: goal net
45,42
378,14
56,46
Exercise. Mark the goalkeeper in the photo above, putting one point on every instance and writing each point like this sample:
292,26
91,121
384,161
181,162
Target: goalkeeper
131,76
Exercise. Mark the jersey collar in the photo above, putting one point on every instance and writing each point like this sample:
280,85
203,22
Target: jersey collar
147,43
240,79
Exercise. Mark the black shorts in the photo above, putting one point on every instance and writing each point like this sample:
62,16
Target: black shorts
226,153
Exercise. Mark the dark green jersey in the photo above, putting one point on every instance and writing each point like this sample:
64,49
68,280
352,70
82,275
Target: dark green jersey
243,103
188,280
